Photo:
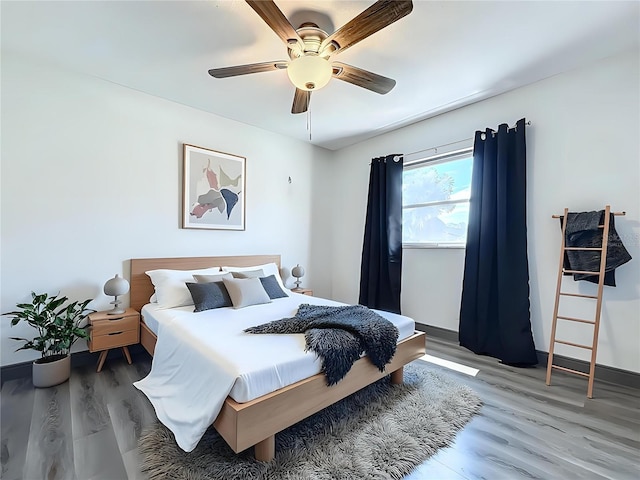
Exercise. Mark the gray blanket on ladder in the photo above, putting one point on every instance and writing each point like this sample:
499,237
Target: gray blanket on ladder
583,231
339,336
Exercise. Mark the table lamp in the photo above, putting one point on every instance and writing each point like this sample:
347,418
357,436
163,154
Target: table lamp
115,287
297,272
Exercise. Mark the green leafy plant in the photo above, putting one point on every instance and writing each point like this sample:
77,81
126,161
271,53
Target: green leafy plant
58,325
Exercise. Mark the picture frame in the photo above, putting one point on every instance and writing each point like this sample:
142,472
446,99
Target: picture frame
213,189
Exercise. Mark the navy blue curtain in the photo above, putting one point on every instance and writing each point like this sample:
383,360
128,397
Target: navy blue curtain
494,312
381,267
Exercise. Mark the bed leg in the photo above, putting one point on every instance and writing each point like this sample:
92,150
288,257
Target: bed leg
397,377
266,449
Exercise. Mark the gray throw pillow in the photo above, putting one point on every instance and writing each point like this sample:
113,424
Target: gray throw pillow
246,291
272,287
207,296
211,278
248,274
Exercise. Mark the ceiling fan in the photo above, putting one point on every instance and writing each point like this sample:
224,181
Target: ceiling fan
311,50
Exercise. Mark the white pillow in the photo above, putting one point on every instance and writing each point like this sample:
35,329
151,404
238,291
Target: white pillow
267,268
171,288
247,274
246,291
212,278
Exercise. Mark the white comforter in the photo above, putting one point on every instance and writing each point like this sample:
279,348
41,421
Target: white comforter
199,357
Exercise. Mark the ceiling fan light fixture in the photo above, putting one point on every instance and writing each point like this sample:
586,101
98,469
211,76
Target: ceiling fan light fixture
312,50
309,72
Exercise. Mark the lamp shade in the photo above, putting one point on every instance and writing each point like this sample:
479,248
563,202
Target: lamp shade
116,286
297,271
309,72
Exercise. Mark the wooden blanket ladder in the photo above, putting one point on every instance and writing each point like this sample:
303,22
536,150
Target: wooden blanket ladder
598,298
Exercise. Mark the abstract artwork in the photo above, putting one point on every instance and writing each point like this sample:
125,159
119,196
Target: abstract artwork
213,192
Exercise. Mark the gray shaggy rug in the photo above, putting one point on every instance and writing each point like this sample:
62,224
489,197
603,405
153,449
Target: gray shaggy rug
381,432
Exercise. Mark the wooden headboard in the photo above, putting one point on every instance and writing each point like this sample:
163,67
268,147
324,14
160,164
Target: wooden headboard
142,288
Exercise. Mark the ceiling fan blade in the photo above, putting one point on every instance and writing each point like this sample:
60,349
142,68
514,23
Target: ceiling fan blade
363,78
273,16
246,69
300,101
378,16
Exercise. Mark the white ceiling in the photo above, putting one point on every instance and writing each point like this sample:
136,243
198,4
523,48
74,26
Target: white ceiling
443,55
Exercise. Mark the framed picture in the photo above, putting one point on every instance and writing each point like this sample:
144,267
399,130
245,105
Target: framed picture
213,190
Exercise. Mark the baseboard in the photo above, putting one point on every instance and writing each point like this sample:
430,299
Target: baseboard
79,359
603,372
438,332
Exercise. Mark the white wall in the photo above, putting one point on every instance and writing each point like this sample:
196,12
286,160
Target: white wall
583,152
91,177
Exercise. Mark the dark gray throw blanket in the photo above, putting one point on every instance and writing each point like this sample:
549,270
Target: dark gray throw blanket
339,336
582,231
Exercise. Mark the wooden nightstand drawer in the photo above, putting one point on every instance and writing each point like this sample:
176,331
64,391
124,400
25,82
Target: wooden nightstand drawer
303,291
113,331
114,340
105,327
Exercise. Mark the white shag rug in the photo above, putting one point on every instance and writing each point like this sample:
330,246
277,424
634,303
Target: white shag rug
381,432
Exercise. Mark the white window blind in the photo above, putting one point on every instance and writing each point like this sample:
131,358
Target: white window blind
435,203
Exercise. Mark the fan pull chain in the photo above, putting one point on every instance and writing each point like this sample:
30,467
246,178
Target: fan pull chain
309,122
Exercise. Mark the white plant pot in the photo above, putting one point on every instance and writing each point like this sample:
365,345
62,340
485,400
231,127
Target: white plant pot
51,373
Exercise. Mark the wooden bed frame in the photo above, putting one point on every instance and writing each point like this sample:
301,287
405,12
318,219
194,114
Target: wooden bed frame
256,423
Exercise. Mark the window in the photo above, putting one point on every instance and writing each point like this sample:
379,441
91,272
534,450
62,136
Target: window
435,200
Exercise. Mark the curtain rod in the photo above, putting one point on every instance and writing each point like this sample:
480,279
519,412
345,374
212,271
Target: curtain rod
528,123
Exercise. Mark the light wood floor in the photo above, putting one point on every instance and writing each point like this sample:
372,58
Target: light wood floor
88,427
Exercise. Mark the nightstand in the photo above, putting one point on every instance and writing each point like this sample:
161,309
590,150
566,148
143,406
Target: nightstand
113,331
303,291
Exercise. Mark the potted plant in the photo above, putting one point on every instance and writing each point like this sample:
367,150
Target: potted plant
58,327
